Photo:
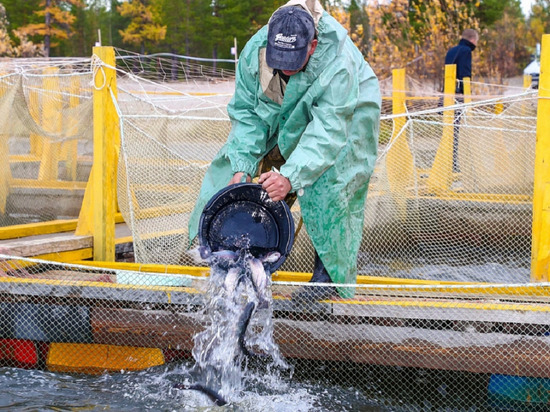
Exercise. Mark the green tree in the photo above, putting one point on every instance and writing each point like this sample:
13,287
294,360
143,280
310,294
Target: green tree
224,20
491,11
20,13
182,22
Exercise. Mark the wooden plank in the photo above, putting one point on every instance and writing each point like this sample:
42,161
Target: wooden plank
152,328
59,290
279,276
64,257
540,253
382,345
415,347
106,145
34,247
285,276
446,310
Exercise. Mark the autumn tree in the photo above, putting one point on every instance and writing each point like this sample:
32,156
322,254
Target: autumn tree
391,41
359,26
6,47
145,25
412,34
539,22
57,22
503,51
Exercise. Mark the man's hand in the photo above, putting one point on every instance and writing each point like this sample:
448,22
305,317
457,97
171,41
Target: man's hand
237,177
275,184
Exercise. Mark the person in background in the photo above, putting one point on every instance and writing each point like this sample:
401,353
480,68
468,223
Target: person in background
461,56
305,117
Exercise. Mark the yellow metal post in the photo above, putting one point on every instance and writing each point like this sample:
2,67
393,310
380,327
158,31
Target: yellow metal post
34,109
502,161
51,122
399,160
527,80
441,174
467,90
99,206
70,148
540,256
5,171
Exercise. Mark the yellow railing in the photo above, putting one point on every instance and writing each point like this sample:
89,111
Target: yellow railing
98,212
540,257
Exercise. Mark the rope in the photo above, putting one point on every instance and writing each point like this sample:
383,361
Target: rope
98,65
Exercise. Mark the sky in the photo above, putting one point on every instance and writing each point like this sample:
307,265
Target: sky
526,6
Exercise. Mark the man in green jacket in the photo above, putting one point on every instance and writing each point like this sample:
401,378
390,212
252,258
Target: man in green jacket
306,100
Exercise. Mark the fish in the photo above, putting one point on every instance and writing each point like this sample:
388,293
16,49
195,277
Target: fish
244,320
225,255
211,393
271,257
259,279
237,265
206,254
232,279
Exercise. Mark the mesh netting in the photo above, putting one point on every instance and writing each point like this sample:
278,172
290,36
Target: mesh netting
450,200
401,346
169,67
462,216
46,122
422,220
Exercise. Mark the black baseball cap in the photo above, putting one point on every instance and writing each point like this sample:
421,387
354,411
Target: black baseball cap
290,31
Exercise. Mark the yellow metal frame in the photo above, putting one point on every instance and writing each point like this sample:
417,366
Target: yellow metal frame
540,257
98,213
441,174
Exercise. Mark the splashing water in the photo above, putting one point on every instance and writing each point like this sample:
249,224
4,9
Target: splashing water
239,323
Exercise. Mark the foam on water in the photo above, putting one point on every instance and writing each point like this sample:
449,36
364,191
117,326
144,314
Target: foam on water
146,390
220,352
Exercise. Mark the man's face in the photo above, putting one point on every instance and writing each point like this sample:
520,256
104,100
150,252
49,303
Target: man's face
311,49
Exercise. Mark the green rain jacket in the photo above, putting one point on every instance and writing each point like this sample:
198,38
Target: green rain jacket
326,126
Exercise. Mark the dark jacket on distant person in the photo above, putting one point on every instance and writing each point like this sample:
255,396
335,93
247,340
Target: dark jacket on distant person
461,55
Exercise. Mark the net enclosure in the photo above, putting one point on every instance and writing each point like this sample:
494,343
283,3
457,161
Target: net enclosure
443,315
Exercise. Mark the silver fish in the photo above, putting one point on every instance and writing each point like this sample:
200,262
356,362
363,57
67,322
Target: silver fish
231,280
204,252
271,257
259,278
221,255
225,255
